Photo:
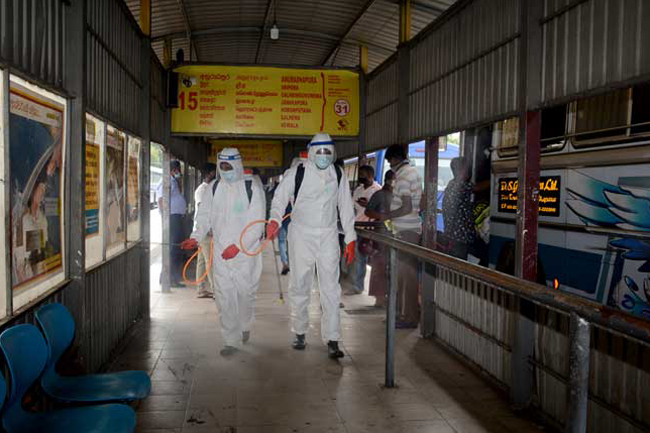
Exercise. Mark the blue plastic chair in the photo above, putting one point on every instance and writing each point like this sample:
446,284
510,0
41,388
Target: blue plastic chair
26,352
124,386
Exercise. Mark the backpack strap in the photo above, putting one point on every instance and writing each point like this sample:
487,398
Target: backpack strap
300,175
249,189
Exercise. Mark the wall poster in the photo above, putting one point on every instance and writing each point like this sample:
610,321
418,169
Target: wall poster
36,148
115,191
95,143
133,190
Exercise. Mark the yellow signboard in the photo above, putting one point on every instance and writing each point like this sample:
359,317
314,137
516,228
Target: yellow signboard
254,153
259,100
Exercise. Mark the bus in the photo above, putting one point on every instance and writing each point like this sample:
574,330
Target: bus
594,197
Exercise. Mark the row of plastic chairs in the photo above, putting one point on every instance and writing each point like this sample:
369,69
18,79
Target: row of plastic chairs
30,357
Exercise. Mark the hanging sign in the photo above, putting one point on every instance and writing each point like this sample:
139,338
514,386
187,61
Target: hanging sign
548,198
254,153
260,100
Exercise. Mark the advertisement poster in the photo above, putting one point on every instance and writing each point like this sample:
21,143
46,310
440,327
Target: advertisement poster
115,224
548,199
260,100
36,149
93,143
133,190
254,153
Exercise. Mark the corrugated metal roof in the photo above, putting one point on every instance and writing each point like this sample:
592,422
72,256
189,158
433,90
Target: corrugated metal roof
312,32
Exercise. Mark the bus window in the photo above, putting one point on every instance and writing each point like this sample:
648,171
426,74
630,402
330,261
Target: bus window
552,134
602,117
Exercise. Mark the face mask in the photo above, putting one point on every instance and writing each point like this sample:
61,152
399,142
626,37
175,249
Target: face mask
228,176
323,161
177,175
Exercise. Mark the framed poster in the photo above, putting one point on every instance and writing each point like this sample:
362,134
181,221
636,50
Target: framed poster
114,191
36,149
94,218
133,190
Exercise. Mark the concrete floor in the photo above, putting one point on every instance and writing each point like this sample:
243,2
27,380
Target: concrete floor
268,387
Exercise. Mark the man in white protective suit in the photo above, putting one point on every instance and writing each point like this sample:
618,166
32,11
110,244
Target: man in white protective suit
234,204
320,192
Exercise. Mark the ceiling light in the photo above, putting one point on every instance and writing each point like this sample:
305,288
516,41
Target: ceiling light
275,32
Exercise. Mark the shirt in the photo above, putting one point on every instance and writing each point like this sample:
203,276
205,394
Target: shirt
198,195
363,192
457,211
407,182
380,201
179,205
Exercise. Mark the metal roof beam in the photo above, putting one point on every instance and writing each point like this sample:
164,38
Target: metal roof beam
188,29
266,17
336,47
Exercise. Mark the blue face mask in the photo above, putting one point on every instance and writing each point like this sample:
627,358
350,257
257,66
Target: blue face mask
323,161
228,176
177,175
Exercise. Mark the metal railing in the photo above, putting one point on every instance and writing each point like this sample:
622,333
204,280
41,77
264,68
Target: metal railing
516,331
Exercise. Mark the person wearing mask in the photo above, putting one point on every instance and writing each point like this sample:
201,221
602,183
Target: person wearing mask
367,187
177,209
236,203
407,226
284,227
377,210
318,190
206,287
457,210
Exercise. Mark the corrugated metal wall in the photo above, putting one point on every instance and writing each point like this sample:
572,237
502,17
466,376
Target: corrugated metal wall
592,44
114,79
31,38
464,70
158,110
381,106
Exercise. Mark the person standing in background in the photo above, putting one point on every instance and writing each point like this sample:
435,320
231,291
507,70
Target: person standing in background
177,209
377,210
206,287
366,189
457,210
404,215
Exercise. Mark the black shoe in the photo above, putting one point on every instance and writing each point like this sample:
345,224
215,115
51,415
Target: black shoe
299,342
228,350
285,270
333,350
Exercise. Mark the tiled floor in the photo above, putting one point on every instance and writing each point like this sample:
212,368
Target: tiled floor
268,387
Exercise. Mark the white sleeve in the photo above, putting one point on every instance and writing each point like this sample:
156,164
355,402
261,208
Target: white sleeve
346,210
256,211
202,218
282,196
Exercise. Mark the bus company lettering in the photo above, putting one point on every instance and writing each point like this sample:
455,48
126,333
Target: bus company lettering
548,197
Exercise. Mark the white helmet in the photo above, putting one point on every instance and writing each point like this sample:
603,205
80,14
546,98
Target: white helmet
321,150
231,156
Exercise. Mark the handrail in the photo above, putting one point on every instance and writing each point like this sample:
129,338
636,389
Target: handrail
601,315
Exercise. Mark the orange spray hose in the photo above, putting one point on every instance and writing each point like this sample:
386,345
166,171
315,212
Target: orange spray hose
263,245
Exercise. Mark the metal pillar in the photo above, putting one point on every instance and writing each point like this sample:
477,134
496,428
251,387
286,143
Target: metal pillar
429,230
578,387
75,182
6,172
363,92
167,53
363,59
391,313
145,160
166,237
404,21
528,175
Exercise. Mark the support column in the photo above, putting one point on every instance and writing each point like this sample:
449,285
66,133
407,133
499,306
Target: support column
75,182
403,107
363,94
363,59
167,53
145,161
166,237
578,386
527,209
404,21
429,230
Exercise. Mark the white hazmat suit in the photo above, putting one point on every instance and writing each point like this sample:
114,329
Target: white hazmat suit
313,238
236,279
